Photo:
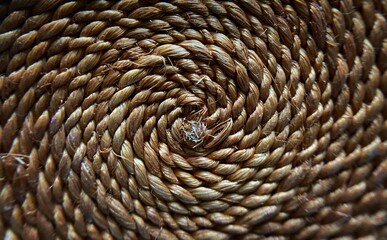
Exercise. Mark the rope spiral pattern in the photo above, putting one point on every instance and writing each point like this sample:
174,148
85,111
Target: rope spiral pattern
190,119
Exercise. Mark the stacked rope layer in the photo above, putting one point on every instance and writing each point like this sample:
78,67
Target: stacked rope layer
193,119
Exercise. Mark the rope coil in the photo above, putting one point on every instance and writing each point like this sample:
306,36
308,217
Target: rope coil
193,119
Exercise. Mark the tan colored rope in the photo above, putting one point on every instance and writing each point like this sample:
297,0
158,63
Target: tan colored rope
191,119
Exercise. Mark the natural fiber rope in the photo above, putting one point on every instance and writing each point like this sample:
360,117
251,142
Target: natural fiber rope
191,119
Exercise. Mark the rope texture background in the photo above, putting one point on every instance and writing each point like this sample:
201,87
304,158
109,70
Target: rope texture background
193,119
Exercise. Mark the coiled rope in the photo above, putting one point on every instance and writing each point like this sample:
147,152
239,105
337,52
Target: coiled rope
191,119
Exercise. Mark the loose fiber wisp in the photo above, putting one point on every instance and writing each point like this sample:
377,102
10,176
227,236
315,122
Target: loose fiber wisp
193,119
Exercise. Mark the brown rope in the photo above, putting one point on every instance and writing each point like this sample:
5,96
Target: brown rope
191,119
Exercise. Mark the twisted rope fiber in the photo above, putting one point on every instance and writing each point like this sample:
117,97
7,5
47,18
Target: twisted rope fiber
193,119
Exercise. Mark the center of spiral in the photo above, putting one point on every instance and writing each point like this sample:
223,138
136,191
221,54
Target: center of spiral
194,132
194,129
